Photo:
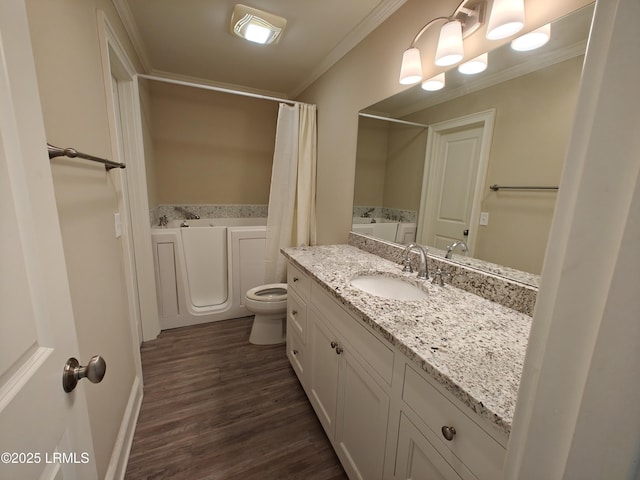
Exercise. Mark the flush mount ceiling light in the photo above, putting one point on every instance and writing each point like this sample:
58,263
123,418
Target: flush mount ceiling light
532,40
476,65
506,18
255,25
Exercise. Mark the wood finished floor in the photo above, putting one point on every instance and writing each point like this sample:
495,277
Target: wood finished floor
217,407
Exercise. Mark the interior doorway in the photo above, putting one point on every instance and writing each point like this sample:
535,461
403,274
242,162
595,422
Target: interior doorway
454,175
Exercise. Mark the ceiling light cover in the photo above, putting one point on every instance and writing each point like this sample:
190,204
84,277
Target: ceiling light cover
532,40
506,19
434,83
450,50
476,65
255,25
411,69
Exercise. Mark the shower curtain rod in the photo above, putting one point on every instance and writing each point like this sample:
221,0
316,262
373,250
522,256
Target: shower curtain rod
394,120
218,89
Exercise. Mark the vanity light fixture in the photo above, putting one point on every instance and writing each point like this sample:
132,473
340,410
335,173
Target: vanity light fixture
255,25
475,65
506,18
434,83
532,40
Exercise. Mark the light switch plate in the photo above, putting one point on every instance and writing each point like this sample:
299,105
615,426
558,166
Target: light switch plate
484,218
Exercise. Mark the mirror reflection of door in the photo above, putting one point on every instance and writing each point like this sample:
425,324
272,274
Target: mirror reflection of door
456,164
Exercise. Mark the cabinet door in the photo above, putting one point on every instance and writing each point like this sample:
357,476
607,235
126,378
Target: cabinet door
361,426
322,371
417,459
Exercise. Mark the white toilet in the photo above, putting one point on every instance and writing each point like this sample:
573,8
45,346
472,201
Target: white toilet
269,304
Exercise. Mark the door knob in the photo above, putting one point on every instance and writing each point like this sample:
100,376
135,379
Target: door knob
73,372
448,432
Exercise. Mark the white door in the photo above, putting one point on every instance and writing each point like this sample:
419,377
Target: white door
44,432
454,175
457,154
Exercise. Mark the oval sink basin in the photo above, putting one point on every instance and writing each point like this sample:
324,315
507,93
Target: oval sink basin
388,287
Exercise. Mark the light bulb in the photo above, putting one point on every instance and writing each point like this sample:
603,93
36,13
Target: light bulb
411,69
450,50
434,83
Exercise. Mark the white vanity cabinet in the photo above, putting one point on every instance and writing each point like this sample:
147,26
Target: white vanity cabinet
298,291
383,414
352,406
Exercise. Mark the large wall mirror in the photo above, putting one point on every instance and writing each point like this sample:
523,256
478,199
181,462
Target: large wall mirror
426,161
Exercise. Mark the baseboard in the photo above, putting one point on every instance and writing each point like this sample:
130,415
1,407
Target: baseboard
122,447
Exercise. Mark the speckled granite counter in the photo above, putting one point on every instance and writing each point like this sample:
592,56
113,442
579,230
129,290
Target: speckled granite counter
473,347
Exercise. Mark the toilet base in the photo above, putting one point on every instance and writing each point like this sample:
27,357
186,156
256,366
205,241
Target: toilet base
268,329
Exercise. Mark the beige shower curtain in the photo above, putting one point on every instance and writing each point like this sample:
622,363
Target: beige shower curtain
292,207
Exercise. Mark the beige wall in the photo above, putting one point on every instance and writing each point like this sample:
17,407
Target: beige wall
368,74
405,163
144,87
389,164
371,162
211,147
534,115
64,34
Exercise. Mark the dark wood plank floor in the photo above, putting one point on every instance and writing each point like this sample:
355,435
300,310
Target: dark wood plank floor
217,407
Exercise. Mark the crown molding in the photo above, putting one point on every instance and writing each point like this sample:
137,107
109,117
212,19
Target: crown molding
130,26
383,11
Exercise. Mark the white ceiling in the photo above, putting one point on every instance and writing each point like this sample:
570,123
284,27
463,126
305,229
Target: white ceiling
191,38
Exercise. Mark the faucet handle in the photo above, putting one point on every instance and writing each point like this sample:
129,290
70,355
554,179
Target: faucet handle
407,265
439,277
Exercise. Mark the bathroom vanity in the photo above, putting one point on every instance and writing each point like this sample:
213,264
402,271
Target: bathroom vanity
404,389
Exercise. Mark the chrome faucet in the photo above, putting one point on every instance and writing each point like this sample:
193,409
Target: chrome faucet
163,221
452,247
188,215
423,269
367,213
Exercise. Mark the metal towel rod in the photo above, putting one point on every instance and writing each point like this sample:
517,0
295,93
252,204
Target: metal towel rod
495,188
73,153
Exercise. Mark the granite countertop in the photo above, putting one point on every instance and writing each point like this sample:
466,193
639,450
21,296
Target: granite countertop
473,347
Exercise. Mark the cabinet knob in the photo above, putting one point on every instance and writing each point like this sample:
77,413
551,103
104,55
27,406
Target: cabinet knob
448,432
294,312
295,352
295,279
339,350
334,344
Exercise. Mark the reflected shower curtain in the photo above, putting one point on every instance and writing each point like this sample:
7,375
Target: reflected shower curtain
292,209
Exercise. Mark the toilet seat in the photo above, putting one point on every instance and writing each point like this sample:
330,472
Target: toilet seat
271,292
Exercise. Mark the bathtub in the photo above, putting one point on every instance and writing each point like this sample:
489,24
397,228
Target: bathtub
203,270
385,229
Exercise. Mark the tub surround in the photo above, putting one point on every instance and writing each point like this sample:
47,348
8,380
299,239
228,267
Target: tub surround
393,214
208,211
473,347
507,291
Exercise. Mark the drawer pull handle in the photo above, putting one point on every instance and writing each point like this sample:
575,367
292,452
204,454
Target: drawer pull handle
295,279
334,344
339,350
294,312
448,432
295,352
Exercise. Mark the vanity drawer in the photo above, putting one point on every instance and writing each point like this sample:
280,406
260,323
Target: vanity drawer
298,281
480,452
372,350
296,353
297,314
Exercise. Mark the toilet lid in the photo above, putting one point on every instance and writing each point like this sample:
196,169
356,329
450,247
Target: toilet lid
272,292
